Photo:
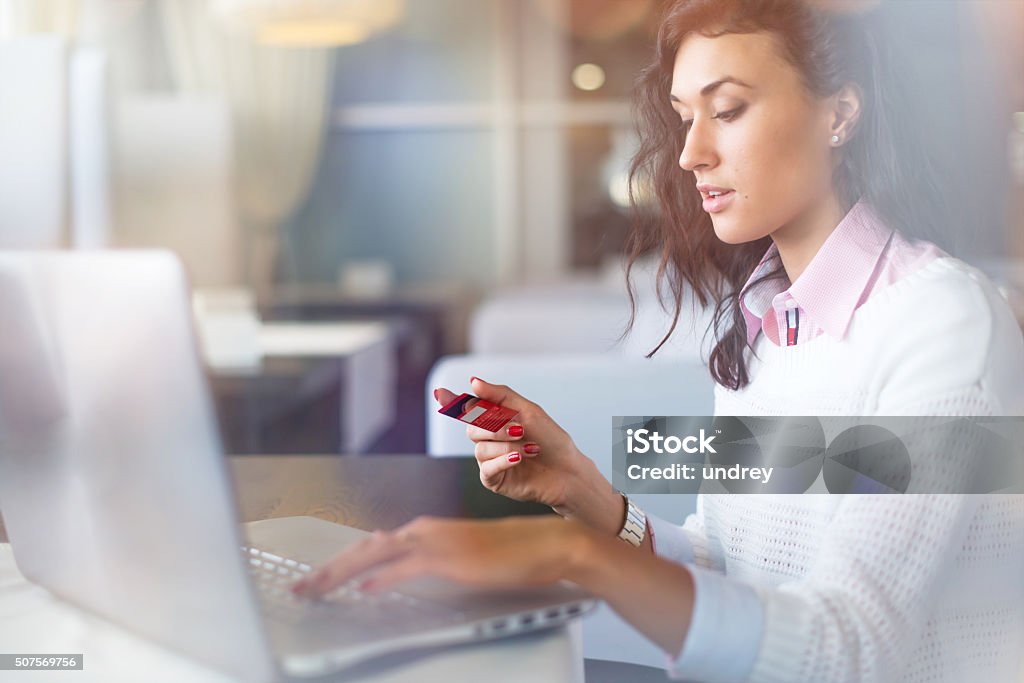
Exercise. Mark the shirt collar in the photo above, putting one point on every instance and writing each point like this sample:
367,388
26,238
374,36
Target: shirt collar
830,288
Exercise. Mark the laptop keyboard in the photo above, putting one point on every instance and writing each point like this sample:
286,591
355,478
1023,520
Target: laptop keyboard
274,575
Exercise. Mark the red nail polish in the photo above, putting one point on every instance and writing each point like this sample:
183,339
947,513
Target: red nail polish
515,431
532,448
435,394
514,457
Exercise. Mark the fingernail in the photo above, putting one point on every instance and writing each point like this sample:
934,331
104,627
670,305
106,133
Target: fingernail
515,430
532,448
474,377
514,457
435,394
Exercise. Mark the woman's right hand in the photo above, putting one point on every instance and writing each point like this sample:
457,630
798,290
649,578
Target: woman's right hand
533,459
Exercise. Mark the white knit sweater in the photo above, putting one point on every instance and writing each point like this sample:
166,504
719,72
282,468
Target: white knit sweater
870,588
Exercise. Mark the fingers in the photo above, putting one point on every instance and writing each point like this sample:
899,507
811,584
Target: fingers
444,396
490,450
396,572
379,548
491,470
498,393
513,431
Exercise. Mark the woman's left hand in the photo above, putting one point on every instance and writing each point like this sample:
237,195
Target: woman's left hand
510,552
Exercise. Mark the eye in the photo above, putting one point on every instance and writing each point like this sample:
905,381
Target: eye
731,114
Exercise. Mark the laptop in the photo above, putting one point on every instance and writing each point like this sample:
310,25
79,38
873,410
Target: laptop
116,493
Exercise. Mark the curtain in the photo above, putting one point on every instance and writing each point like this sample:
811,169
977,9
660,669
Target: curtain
280,102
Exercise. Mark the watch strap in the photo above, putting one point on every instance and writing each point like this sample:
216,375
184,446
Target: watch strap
635,526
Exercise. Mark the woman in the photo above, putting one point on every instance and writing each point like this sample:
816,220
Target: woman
790,196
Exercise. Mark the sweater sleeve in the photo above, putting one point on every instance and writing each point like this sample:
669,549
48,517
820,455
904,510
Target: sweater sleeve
721,605
686,544
862,605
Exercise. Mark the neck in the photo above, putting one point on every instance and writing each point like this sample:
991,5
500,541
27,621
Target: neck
799,240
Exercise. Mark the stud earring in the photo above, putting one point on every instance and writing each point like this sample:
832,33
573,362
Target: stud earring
835,139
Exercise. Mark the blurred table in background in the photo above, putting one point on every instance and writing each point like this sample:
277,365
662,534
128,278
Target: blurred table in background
426,322
443,309
315,387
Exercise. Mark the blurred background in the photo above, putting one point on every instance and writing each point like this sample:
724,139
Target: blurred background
360,188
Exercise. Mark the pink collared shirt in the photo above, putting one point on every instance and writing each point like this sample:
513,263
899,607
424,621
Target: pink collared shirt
860,257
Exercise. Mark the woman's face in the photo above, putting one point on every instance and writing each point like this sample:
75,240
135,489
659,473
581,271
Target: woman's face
754,132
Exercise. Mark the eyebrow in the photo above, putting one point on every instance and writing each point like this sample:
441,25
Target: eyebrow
711,87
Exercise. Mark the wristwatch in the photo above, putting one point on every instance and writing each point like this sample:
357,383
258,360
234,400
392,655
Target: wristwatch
635,526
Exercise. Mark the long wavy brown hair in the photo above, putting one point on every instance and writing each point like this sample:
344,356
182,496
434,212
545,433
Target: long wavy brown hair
885,162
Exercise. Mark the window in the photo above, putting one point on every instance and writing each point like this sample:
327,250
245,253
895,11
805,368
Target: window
461,149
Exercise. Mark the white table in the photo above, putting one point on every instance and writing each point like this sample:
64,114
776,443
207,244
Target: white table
33,621
349,490
365,349
371,380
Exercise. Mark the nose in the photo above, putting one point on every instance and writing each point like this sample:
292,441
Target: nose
698,150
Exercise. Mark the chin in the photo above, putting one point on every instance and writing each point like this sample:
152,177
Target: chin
732,231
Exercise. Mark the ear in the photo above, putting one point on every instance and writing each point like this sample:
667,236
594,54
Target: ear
846,109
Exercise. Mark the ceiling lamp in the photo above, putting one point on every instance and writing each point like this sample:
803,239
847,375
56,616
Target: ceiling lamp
309,23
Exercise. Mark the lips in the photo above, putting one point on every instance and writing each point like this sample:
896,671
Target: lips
716,198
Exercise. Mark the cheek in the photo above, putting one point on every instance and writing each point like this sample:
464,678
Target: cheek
783,169
758,167
777,170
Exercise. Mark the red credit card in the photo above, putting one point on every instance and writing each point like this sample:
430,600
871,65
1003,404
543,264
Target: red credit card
478,412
